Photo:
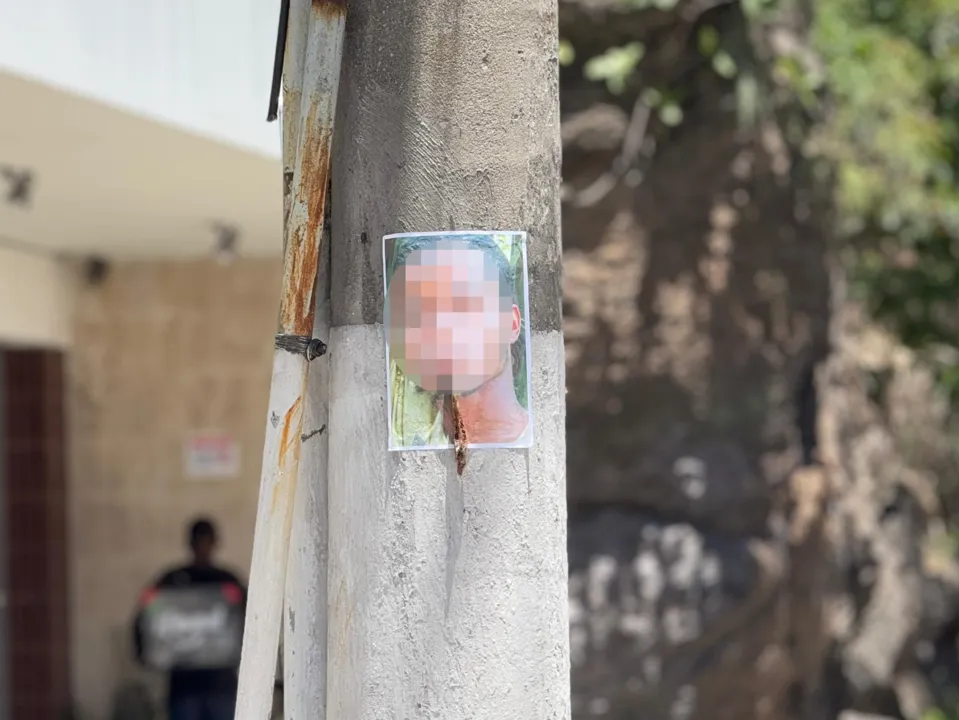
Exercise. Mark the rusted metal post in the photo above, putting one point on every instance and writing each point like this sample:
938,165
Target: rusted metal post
298,25
304,626
292,38
295,348
305,630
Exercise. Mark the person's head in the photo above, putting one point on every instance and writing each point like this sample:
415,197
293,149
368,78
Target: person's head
452,312
202,540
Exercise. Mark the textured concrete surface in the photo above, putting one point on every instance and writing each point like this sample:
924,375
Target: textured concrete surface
448,594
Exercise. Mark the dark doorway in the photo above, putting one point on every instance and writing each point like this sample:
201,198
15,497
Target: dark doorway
34,639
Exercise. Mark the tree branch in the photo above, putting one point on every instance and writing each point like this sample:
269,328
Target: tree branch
634,140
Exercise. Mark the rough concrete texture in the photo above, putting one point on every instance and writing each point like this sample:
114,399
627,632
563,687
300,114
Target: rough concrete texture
449,120
448,594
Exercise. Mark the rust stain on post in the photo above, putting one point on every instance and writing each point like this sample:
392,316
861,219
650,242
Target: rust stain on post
287,196
289,439
275,499
289,452
303,251
296,313
330,9
314,184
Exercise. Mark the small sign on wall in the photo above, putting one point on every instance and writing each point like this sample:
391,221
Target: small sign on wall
210,455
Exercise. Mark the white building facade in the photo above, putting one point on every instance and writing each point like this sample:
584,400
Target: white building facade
133,139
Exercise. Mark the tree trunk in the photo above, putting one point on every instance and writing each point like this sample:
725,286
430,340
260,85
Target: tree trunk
448,594
728,557
696,302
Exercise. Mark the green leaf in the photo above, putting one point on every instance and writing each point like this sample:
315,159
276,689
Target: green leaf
753,8
652,97
567,53
708,40
671,114
615,66
747,99
724,65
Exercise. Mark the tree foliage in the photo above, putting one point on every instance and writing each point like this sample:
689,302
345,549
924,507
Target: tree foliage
878,84
891,78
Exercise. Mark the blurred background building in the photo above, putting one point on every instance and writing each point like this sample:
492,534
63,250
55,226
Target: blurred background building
140,216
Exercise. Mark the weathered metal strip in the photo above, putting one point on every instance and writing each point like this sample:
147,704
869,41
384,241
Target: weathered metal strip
324,55
296,40
284,427
278,60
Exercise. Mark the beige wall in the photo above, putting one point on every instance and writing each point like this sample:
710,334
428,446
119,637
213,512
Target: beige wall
159,349
36,292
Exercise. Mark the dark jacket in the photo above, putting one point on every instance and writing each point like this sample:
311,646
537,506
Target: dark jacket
192,682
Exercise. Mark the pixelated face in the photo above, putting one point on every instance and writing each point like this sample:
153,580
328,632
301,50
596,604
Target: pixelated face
450,323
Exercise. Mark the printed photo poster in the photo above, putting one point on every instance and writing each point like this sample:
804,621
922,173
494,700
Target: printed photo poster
458,340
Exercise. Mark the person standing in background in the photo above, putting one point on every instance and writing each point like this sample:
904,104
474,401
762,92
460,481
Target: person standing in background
197,694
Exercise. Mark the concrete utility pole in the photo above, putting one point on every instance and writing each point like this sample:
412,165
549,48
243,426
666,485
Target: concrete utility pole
447,594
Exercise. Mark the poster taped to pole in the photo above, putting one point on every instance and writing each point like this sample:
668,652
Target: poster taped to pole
458,340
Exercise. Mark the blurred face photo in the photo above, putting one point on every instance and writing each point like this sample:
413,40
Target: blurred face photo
452,323
456,329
